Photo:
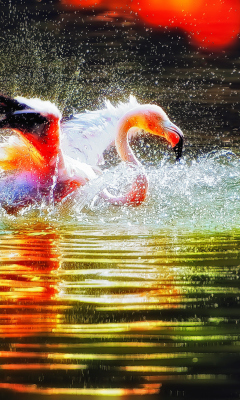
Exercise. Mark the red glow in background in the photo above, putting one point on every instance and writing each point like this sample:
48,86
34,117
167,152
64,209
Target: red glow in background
208,24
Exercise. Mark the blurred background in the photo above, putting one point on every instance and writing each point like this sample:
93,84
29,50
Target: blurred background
180,54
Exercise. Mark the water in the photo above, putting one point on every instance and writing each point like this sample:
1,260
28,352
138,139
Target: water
119,312
98,301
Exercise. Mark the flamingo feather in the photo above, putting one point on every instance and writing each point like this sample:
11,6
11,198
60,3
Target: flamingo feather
50,161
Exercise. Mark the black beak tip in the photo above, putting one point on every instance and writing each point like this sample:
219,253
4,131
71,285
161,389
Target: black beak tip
178,148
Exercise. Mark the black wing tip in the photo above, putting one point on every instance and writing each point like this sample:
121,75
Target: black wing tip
9,105
14,115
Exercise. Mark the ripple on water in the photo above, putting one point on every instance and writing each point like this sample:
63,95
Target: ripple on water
105,312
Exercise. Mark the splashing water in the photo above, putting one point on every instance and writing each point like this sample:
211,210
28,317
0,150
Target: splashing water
193,195
200,195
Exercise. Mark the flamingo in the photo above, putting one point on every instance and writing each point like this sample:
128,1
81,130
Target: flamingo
50,160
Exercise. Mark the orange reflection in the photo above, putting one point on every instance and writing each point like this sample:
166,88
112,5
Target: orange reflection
41,340
28,282
148,389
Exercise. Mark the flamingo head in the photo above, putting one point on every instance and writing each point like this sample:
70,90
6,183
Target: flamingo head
157,122
154,120
36,121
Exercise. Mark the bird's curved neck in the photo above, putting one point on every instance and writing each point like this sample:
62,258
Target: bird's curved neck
150,118
122,144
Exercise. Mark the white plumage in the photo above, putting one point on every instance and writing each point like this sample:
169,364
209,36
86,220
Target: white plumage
41,106
86,136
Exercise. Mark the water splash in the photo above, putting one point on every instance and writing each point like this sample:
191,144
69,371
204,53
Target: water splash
200,194
194,195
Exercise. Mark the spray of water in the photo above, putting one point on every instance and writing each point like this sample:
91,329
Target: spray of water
193,195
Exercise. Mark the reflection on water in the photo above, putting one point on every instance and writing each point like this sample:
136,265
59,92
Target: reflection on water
125,303
96,312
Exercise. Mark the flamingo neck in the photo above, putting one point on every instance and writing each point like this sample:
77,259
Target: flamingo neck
139,189
122,144
150,118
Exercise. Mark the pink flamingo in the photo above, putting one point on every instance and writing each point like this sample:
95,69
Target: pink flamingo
49,161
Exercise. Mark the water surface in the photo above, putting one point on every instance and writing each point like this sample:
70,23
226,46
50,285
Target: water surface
102,311
105,302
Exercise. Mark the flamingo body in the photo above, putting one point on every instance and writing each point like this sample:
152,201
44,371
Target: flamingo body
49,162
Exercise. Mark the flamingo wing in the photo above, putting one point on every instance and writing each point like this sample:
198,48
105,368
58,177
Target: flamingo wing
86,136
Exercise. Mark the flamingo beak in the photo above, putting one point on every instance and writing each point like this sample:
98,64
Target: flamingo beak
179,146
175,136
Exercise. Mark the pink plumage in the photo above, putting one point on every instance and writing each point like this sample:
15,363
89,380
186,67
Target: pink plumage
49,161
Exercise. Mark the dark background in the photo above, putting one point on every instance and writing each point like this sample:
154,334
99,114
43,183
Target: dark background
78,57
